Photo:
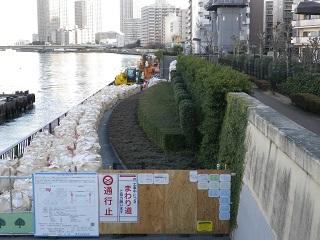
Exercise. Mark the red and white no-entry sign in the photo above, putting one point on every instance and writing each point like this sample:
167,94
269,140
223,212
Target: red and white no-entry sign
108,180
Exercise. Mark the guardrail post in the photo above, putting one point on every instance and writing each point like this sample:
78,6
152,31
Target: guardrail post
16,151
10,188
50,128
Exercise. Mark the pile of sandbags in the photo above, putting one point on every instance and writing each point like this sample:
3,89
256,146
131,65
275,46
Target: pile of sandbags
74,146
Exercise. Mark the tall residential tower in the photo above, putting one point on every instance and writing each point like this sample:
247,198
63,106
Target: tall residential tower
126,12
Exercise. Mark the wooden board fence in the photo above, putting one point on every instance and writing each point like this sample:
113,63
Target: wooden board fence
175,208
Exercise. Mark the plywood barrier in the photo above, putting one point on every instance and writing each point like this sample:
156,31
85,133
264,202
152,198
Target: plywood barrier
175,208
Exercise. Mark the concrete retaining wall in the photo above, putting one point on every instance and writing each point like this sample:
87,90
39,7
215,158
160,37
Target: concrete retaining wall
281,179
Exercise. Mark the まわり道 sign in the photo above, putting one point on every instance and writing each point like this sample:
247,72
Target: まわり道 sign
118,197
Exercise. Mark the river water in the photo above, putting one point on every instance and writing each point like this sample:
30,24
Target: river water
59,80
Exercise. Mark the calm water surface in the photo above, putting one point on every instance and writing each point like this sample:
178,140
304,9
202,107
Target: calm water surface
59,80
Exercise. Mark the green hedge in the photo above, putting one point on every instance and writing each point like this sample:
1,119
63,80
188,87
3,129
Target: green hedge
186,111
307,101
188,122
208,85
232,149
158,117
302,83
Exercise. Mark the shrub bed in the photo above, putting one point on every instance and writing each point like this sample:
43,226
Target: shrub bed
302,83
208,85
262,84
158,117
307,101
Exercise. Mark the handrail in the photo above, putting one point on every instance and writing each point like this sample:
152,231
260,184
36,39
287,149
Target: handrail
17,150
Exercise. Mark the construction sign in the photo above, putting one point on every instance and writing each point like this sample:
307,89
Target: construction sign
118,194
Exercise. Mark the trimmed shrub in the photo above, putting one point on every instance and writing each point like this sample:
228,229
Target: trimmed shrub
188,122
307,101
262,84
302,83
157,115
208,85
232,148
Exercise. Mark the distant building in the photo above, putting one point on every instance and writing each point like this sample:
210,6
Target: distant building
22,42
230,24
153,23
52,16
173,28
57,19
184,25
306,23
256,22
188,45
88,17
111,39
81,14
132,30
268,25
35,38
201,28
126,12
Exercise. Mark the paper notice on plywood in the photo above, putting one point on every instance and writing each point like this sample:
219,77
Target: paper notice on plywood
193,176
145,178
161,178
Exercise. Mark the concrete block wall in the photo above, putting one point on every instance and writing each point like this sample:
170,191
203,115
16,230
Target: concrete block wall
280,198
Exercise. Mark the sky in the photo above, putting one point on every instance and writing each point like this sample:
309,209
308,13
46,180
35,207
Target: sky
18,18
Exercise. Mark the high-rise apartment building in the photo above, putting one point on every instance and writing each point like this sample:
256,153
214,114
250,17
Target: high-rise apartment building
57,20
176,27
268,25
282,13
256,22
126,12
88,19
80,13
52,16
153,23
201,27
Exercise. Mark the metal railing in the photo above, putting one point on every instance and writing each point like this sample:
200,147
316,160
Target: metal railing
17,149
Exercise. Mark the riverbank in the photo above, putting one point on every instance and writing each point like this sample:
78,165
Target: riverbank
73,147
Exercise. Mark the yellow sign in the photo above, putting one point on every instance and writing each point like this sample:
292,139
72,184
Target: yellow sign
204,226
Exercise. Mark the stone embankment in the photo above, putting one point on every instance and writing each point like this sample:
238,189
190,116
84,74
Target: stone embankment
11,105
74,146
281,191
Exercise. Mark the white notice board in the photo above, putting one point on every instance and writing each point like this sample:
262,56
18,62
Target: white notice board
66,204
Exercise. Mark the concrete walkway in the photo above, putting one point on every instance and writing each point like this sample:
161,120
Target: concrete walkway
283,105
109,156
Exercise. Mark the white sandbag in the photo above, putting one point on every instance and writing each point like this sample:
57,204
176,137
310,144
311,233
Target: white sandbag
25,186
6,170
93,166
20,202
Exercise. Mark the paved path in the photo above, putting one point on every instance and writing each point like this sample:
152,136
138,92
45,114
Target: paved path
109,156
283,105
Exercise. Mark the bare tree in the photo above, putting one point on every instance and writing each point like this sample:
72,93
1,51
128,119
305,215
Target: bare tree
262,38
